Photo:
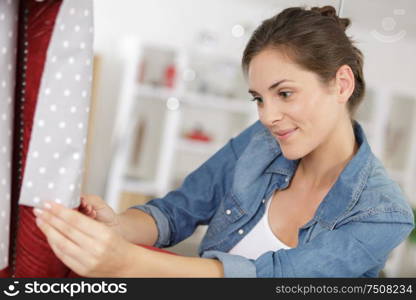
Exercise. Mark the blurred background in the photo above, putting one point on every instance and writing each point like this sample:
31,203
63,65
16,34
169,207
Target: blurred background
169,92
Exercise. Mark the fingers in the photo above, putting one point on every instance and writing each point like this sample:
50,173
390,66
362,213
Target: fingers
75,220
91,204
93,200
76,236
70,261
66,250
77,241
87,209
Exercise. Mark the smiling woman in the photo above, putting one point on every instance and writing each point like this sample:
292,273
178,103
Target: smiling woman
297,194
304,173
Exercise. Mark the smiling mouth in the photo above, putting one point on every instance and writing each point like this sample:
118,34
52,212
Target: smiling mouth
286,134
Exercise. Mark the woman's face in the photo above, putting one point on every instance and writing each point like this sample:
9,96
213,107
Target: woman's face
291,99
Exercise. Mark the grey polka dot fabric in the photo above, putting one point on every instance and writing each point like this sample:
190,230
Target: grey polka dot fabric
8,29
55,160
56,152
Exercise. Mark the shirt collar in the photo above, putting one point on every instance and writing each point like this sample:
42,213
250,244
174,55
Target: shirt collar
350,183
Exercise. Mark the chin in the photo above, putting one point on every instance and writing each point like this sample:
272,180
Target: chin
292,154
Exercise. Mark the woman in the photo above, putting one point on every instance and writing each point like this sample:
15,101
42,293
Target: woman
297,194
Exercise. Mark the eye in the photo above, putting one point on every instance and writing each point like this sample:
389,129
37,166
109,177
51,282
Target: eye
257,99
285,94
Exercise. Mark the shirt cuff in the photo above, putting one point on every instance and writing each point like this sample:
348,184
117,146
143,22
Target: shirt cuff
234,265
162,223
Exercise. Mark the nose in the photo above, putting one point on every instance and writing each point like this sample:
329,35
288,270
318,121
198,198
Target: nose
270,113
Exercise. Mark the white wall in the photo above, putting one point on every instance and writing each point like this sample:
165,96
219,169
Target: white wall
387,64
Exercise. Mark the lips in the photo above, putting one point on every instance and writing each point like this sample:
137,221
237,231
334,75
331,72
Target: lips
283,132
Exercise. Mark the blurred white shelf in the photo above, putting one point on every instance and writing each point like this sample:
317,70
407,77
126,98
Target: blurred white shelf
148,187
228,104
197,147
122,176
139,186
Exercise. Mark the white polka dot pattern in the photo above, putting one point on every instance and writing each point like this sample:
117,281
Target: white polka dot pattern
56,152
8,29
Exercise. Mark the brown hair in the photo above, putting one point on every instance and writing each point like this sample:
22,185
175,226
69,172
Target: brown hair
315,39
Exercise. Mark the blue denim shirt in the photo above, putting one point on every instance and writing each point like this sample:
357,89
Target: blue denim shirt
360,221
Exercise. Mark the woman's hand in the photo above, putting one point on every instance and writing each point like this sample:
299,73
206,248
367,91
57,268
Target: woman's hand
96,208
89,248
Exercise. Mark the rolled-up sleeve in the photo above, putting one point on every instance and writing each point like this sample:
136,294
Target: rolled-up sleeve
162,223
234,265
348,251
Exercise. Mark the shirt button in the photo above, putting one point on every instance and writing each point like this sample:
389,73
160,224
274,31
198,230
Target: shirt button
287,179
228,212
264,200
241,231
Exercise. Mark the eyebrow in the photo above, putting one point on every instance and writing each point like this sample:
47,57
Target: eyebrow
274,85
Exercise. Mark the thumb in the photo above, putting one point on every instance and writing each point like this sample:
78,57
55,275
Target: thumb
93,200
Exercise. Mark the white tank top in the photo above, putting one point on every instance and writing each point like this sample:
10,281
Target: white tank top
259,240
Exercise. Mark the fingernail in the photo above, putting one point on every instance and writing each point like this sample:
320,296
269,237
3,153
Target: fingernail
38,211
39,221
47,205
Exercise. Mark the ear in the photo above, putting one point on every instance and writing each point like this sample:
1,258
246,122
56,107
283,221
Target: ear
345,83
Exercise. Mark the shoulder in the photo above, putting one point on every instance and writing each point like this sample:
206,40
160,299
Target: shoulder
383,196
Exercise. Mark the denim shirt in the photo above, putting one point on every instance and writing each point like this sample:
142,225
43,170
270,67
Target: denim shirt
360,221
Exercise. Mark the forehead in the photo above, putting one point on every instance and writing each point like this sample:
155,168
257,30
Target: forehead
271,65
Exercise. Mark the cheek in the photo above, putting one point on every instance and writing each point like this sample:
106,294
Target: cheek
317,111
299,113
321,117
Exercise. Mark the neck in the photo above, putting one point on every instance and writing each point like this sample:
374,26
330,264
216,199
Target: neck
321,168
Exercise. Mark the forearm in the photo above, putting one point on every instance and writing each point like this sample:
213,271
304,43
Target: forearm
142,262
137,227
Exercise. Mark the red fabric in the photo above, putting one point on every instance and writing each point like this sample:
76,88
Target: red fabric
5,273
34,257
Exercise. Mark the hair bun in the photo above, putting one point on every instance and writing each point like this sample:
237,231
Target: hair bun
329,11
